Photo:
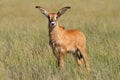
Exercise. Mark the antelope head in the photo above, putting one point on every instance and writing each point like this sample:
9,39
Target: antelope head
53,17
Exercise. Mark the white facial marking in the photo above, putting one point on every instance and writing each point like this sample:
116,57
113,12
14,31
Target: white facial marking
55,17
52,20
52,23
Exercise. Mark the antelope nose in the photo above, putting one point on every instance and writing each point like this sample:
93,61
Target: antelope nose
52,23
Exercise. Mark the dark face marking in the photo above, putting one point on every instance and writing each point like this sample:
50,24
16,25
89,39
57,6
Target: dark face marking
52,19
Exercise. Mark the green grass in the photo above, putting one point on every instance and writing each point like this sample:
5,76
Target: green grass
26,55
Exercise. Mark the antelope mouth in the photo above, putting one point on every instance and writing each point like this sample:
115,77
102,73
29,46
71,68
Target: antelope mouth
53,24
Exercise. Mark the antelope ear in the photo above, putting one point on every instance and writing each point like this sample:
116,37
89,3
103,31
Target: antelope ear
43,11
62,10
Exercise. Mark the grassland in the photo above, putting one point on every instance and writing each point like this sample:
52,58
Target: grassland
26,55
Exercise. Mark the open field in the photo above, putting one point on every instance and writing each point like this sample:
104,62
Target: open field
26,55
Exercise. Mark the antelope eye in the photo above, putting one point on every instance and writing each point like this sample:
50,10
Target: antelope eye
48,17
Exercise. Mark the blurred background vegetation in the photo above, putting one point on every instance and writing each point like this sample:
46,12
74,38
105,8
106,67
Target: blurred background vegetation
26,55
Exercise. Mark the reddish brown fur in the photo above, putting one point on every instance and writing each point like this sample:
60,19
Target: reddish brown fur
68,41
63,41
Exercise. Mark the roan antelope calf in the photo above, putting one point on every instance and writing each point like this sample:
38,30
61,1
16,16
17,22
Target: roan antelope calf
63,41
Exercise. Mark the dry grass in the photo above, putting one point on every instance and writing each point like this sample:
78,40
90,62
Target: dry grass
26,55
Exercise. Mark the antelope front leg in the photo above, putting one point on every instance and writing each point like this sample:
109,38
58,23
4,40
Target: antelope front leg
61,60
59,55
56,54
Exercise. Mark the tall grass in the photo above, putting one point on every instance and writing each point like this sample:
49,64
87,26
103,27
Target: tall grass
26,55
